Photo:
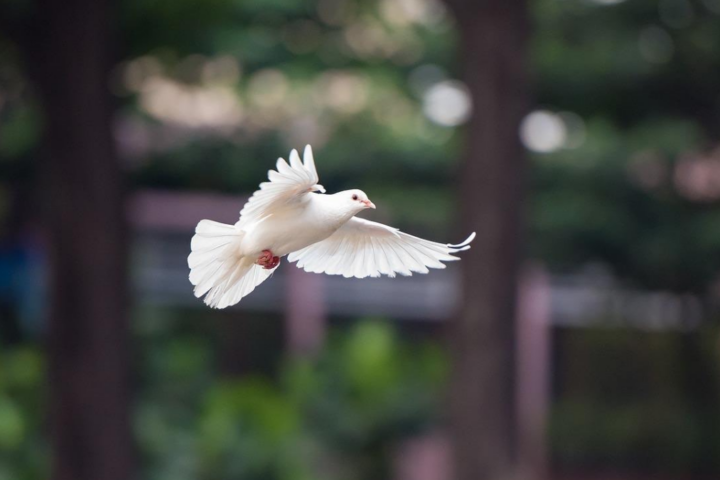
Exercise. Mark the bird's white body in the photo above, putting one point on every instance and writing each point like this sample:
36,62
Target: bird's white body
320,232
292,228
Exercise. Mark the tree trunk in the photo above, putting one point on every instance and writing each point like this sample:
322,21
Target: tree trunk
88,331
492,35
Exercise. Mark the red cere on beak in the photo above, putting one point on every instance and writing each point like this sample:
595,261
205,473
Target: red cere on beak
368,204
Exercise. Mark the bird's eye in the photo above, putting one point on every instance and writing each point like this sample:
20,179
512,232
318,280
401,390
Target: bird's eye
355,197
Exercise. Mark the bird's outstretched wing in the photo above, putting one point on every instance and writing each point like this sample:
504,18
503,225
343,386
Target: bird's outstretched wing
288,184
362,248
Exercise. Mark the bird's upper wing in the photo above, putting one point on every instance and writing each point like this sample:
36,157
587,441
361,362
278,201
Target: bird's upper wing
362,248
288,184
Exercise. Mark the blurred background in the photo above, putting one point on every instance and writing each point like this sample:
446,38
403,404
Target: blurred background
578,339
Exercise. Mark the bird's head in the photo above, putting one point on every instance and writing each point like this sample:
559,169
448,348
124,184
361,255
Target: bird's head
356,200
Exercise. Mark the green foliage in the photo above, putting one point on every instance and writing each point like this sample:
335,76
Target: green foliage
339,415
656,438
250,430
368,388
22,407
591,204
616,197
651,404
348,406
20,132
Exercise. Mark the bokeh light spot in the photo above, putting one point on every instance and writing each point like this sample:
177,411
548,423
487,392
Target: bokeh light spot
447,103
543,131
656,45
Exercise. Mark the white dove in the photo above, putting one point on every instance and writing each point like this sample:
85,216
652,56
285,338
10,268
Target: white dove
319,232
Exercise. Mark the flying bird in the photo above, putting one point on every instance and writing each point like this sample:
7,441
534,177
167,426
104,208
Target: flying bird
291,215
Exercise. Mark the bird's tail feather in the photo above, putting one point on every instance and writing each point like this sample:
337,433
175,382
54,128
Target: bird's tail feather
217,267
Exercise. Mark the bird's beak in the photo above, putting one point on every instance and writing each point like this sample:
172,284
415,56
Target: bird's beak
369,204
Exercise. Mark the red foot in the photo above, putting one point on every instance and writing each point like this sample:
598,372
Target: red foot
267,260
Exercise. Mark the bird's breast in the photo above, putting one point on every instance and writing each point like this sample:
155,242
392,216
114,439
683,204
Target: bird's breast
285,233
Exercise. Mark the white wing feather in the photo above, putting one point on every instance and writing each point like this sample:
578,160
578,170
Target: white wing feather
362,248
289,183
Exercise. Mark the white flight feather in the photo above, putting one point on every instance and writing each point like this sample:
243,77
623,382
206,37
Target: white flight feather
361,248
